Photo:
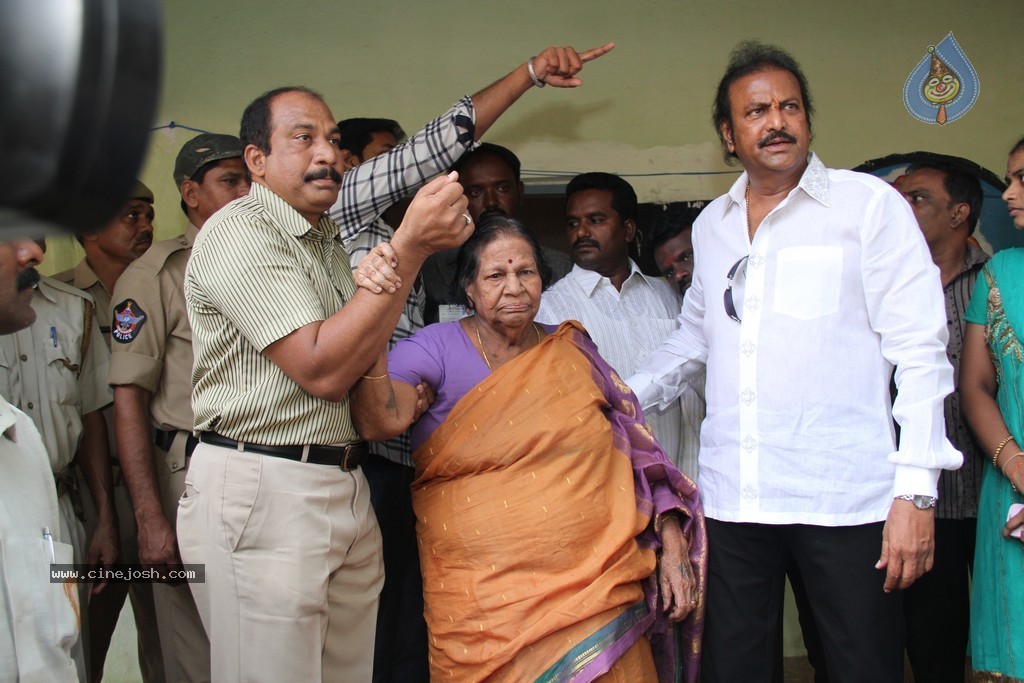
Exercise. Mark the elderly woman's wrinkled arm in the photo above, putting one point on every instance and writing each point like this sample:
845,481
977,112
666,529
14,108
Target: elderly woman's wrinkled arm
382,408
676,579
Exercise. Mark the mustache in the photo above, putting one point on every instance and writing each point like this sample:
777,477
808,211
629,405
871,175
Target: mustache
27,278
496,211
321,173
585,242
775,137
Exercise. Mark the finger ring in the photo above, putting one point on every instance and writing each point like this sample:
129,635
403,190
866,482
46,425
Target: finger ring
469,219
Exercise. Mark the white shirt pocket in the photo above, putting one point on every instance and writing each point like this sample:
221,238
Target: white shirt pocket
807,281
46,614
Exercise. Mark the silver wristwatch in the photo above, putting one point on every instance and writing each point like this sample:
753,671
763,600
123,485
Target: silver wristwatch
920,502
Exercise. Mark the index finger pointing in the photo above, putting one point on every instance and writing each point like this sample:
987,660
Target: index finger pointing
596,52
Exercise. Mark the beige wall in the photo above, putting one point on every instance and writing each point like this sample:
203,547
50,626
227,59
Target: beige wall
643,109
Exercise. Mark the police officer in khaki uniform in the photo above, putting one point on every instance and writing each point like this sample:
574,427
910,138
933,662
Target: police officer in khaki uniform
55,371
108,251
38,619
151,371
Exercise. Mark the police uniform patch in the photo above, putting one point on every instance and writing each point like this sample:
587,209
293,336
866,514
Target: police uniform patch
128,320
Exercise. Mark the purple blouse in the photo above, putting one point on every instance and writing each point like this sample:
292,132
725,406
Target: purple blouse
443,356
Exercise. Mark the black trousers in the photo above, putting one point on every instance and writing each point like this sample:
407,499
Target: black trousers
938,609
808,629
400,650
860,626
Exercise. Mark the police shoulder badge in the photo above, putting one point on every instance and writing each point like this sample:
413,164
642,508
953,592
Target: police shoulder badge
128,320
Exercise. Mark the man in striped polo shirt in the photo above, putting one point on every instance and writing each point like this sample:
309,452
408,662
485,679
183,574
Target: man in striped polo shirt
275,505
946,199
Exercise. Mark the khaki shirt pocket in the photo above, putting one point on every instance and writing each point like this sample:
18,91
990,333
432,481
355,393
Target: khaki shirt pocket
62,368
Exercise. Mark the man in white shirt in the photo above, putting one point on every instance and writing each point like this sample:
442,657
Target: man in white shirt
810,286
38,619
627,313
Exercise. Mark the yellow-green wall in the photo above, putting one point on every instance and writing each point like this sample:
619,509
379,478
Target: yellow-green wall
643,109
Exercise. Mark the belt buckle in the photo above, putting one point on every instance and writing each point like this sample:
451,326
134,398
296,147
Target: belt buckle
343,460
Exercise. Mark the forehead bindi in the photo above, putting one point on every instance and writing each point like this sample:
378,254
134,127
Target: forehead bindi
766,87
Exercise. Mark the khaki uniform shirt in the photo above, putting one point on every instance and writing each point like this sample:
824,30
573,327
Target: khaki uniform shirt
257,273
38,619
44,372
83,277
151,340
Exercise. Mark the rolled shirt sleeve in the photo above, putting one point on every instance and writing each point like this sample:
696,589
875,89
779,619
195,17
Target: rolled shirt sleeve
374,185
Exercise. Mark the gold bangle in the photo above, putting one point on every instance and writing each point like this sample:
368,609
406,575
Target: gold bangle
1010,459
375,376
999,449
1010,475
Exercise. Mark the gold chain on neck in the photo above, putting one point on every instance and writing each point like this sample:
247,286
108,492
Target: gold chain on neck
483,351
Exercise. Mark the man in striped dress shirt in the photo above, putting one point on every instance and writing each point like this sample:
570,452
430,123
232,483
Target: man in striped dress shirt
275,504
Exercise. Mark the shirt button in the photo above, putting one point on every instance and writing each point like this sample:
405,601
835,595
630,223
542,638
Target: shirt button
750,492
754,303
24,357
748,396
174,467
749,443
31,405
748,347
757,260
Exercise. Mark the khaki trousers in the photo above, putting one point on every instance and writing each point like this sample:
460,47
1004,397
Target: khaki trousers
293,566
105,607
186,649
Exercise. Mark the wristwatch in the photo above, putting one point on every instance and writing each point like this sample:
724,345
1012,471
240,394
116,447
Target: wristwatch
920,502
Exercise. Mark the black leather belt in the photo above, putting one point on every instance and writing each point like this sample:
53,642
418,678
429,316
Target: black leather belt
164,440
347,458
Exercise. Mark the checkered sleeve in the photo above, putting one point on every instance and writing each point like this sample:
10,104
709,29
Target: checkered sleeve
398,449
364,242
370,188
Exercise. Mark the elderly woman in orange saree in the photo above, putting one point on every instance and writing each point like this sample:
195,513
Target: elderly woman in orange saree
557,541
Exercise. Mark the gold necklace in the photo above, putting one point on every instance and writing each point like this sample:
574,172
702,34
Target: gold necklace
483,351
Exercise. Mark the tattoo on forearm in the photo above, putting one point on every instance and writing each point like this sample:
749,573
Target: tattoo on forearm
391,403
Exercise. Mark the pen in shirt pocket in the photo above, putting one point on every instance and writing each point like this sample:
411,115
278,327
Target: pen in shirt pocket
53,335
49,543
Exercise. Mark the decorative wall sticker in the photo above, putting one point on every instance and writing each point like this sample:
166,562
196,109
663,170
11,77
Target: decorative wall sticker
943,86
